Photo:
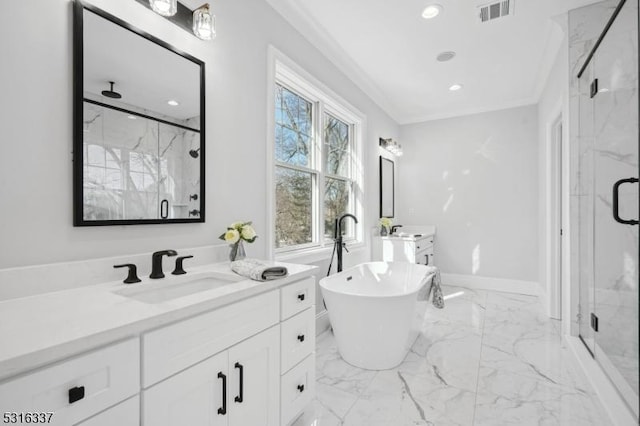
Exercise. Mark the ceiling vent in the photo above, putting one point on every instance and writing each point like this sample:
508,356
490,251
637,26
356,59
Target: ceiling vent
493,11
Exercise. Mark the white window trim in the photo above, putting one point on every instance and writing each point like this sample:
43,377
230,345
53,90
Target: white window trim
282,69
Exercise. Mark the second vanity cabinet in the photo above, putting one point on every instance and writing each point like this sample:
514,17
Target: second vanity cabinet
404,249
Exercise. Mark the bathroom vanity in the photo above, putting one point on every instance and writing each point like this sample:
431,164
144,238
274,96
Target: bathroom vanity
239,352
412,244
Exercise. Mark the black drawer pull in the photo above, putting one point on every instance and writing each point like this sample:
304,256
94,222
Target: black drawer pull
76,394
301,337
301,388
301,297
240,396
223,410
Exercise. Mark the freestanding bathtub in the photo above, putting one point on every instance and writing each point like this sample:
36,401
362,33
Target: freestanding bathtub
374,311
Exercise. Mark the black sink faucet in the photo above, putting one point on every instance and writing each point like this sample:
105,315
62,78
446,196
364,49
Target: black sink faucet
394,227
338,234
156,262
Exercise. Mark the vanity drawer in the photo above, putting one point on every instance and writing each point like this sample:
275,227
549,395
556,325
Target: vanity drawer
173,348
126,413
297,297
297,389
94,382
297,335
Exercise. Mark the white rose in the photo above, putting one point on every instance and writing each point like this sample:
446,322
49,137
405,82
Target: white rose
232,236
236,225
248,233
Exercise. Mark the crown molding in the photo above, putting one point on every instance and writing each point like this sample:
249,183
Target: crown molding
294,13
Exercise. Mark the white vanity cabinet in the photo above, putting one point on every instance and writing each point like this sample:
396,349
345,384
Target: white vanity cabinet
298,332
248,360
236,387
404,249
77,388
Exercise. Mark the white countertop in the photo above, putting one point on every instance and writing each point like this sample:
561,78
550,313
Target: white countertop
40,329
412,233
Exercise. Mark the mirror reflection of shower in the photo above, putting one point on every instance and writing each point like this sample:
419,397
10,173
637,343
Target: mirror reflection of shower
195,153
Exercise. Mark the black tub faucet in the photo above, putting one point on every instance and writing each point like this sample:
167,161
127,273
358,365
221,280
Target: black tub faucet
338,234
156,262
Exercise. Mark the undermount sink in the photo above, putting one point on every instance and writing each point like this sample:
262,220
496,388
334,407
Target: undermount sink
171,287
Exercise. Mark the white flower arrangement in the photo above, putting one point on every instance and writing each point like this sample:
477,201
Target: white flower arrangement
386,222
239,231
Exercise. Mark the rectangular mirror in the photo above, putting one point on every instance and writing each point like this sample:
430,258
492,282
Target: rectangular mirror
386,188
138,126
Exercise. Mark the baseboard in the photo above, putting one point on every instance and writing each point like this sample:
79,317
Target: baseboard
488,283
322,322
618,412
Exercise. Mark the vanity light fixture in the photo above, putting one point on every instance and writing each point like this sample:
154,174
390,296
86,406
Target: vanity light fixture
392,146
431,11
455,87
173,102
204,23
164,7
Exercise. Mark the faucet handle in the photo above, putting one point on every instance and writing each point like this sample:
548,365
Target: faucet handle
132,277
179,270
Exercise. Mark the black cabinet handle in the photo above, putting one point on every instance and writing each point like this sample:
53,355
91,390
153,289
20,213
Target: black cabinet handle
164,209
301,337
426,258
240,397
616,211
301,388
223,410
76,394
301,297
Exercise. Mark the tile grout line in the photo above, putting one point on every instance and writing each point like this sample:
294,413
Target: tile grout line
484,318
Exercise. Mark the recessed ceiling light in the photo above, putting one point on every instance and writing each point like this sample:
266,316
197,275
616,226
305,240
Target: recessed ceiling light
445,56
455,87
431,11
173,102
131,117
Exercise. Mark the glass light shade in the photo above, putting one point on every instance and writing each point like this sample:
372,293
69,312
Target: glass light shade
164,7
204,24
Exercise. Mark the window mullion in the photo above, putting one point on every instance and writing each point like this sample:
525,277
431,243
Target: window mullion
318,164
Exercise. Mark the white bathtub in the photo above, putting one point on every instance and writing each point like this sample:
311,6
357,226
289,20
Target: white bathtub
374,311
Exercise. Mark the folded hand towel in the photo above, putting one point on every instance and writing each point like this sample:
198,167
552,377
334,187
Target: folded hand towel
432,287
257,270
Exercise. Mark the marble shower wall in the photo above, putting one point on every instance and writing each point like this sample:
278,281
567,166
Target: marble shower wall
132,163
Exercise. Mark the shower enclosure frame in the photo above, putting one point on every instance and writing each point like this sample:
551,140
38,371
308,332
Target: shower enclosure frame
594,90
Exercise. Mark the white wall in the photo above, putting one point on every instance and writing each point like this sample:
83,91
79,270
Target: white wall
476,179
35,118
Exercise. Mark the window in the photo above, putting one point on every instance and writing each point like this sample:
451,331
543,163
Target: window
315,154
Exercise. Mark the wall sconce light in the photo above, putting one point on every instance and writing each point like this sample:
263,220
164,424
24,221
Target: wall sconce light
392,146
204,24
199,22
164,7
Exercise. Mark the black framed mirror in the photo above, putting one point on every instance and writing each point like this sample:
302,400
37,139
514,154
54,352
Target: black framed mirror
387,188
139,127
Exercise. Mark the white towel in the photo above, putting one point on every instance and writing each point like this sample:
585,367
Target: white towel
432,288
257,270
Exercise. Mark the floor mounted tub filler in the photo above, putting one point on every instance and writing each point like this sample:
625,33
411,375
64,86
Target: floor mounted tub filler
375,310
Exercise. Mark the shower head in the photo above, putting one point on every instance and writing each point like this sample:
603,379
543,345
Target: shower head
110,93
194,153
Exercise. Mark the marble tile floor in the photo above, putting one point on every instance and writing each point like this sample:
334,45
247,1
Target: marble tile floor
487,358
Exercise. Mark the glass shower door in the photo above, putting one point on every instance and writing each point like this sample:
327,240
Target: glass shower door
615,202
